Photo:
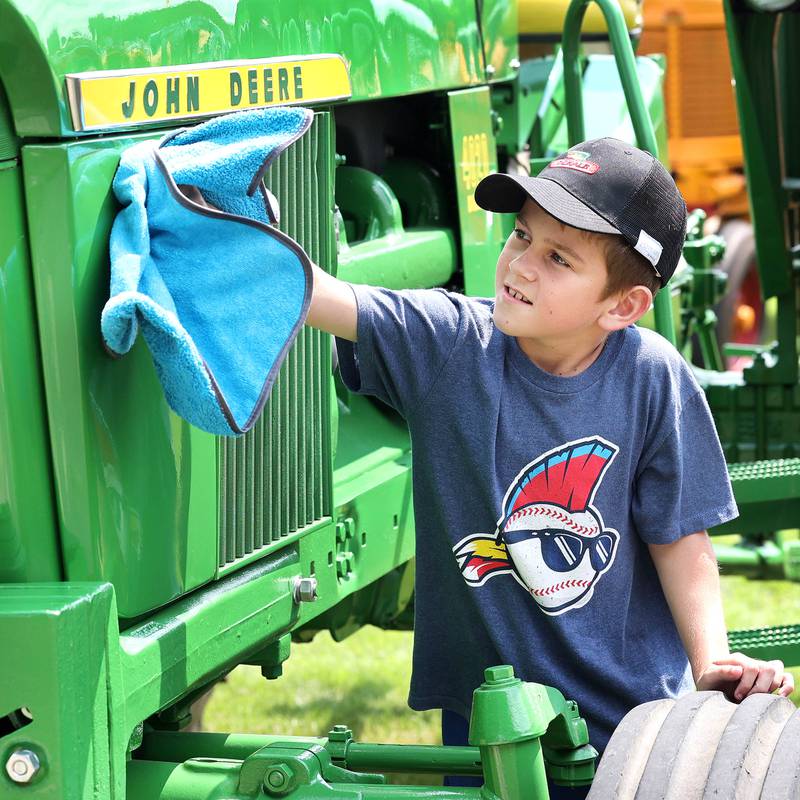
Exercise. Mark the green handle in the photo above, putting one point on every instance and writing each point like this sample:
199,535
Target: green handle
642,124
626,65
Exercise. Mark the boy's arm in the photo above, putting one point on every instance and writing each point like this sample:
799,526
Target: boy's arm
687,570
333,306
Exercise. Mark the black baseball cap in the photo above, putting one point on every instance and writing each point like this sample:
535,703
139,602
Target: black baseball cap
605,186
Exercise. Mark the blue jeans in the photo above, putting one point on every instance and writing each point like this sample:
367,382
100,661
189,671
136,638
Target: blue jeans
455,731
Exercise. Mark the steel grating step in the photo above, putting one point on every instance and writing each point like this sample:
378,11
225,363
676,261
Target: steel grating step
766,481
768,643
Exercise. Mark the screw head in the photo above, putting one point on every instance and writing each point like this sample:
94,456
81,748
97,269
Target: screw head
490,70
304,590
22,765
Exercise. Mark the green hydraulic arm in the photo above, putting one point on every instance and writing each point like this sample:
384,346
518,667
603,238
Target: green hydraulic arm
521,734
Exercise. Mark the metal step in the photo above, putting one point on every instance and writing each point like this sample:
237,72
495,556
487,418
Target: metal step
768,495
761,481
768,643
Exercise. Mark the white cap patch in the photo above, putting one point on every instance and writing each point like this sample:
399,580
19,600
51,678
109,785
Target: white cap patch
649,247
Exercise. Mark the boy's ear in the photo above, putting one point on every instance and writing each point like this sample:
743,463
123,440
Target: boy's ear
629,306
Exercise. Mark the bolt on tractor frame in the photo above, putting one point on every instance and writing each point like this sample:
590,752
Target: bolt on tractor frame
142,559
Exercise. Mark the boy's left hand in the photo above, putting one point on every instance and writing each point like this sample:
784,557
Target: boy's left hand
739,676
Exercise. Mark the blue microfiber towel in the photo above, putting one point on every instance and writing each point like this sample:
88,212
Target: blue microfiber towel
197,263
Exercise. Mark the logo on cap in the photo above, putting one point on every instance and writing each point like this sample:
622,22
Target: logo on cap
578,160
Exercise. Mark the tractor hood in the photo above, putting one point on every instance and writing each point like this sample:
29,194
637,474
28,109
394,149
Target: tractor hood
74,68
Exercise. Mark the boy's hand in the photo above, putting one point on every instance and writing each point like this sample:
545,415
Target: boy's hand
739,676
687,569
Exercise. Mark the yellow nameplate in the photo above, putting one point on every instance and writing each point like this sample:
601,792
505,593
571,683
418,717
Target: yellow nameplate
121,98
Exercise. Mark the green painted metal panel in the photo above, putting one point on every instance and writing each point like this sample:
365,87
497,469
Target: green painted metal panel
135,485
141,494
474,156
764,60
28,545
9,145
500,42
62,677
753,44
392,49
198,638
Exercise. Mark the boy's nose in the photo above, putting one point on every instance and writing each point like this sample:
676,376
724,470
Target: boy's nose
522,267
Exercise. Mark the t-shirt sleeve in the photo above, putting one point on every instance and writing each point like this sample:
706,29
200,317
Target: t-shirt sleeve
684,486
405,338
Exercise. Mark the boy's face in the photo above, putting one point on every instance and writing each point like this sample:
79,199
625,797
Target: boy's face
549,283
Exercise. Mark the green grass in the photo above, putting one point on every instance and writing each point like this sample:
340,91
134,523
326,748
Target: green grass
363,681
755,604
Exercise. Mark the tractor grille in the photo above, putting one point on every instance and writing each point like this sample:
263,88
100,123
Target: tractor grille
275,480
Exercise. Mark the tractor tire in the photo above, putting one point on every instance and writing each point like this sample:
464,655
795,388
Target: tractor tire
703,747
783,776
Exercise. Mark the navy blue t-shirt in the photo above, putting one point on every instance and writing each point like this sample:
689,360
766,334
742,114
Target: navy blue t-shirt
535,497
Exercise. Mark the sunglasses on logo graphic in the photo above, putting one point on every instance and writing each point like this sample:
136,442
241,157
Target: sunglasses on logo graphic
562,552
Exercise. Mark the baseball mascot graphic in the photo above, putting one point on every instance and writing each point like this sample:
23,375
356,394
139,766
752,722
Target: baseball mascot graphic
550,537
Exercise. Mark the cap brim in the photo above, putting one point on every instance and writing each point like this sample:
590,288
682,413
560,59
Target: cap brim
506,194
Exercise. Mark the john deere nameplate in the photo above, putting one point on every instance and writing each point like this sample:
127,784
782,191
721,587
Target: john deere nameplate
118,99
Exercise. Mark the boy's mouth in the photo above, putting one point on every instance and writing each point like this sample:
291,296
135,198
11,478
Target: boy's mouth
515,295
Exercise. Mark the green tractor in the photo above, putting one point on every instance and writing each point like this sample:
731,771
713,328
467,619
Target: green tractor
142,559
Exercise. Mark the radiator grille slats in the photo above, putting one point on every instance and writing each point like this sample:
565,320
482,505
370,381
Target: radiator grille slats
274,480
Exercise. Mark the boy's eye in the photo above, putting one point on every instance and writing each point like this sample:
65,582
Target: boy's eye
521,234
557,258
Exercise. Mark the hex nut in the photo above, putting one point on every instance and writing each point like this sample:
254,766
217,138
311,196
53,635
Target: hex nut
304,590
22,765
340,733
344,564
499,675
279,779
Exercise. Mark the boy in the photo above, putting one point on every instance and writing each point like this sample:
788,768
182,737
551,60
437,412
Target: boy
566,465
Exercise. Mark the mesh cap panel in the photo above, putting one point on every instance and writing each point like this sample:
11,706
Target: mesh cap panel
657,209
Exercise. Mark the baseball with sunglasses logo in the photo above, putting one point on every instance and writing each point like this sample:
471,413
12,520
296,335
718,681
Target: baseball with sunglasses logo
550,537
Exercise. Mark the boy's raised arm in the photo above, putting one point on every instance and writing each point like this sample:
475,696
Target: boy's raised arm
333,306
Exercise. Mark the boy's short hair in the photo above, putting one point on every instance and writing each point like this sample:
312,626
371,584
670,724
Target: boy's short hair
625,267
